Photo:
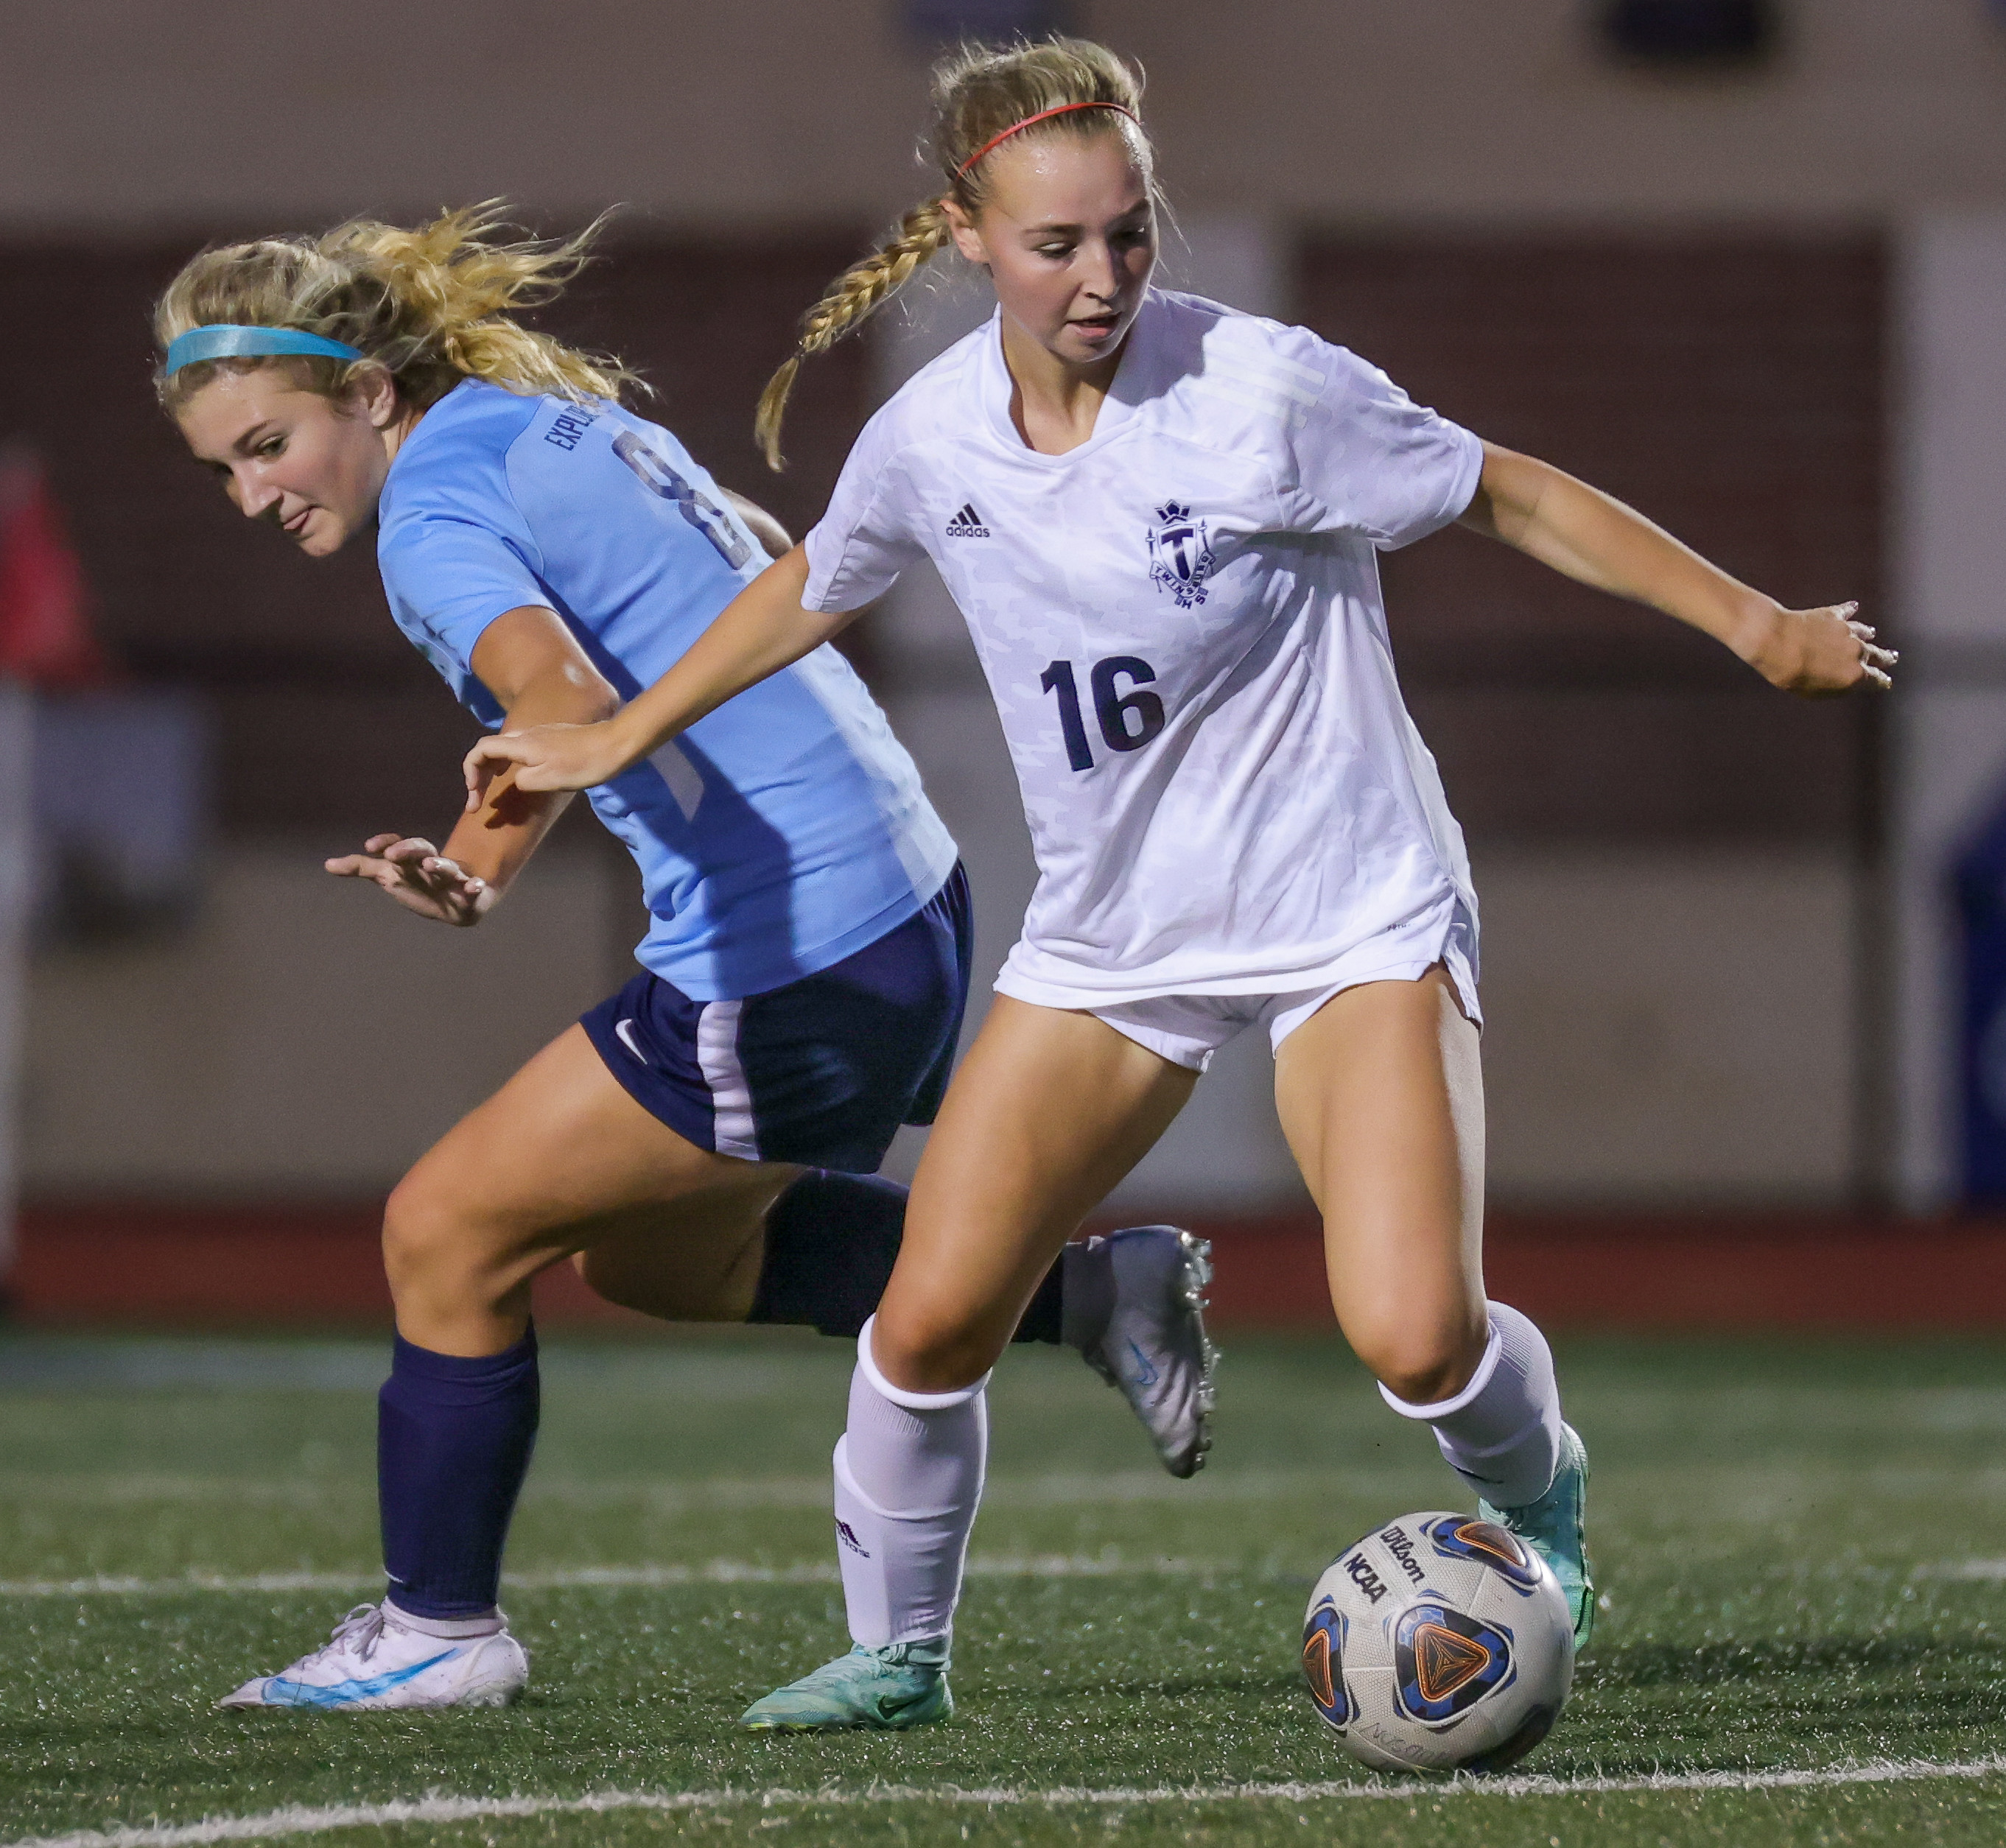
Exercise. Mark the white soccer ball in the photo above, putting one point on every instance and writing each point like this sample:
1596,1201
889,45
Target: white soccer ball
1438,1642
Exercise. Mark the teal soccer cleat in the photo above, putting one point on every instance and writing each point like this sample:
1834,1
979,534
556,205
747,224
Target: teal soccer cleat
885,1690
1552,1526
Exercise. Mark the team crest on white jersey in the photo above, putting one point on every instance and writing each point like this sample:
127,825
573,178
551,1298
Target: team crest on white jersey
1181,558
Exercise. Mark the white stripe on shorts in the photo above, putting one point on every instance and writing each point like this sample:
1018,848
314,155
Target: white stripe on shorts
733,1132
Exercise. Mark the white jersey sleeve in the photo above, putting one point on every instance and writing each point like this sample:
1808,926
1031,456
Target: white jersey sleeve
866,537
1366,458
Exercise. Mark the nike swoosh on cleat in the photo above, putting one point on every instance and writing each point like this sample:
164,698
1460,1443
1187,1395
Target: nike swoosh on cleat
279,1692
1149,1376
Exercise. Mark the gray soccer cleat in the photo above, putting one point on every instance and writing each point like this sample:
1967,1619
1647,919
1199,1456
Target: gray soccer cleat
1134,1309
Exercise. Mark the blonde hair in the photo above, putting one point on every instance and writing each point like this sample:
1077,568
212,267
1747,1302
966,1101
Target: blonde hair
432,306
979,94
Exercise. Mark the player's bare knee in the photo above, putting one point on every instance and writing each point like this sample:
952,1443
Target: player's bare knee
1421,1366
433,1247
933,1353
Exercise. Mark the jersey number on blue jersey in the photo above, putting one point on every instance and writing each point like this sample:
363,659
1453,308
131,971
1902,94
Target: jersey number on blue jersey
698,509
1127,721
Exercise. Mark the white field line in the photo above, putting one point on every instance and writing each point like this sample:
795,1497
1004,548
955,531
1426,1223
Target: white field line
298,1820
716,1572
1990,1570
1737,1488
1054,1490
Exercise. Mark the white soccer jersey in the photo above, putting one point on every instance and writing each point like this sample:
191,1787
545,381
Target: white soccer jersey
1182,623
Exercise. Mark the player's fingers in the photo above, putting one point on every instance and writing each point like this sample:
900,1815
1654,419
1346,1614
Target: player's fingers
412,848
488,759
376,843
1879,679
1880,657
352,865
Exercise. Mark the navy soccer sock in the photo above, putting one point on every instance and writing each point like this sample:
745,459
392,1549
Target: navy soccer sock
832,1239
453,1438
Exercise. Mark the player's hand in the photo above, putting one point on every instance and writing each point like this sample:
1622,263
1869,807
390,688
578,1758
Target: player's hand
1820,652
420,878
546,757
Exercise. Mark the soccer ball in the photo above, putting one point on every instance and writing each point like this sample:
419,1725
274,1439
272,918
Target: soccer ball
1438,1642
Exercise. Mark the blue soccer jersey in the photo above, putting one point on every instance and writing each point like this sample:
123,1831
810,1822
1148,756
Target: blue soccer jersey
776,836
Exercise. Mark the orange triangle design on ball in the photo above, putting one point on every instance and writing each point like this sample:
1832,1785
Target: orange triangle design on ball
1316,1665
1443,1660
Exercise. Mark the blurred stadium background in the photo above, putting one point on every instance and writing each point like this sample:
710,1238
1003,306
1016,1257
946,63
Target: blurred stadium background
1742,264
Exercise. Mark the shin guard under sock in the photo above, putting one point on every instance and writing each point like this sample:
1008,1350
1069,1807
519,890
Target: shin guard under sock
909,1473
453,1438
1502,1433
832,1239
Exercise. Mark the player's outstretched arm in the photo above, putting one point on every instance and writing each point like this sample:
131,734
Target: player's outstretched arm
1589,537
761,630
538,673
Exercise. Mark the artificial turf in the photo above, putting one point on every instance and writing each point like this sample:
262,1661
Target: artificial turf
1793,1537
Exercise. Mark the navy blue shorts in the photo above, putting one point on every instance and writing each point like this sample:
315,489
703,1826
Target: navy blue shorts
822,1071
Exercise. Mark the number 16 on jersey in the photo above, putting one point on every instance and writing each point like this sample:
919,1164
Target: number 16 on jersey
1128,721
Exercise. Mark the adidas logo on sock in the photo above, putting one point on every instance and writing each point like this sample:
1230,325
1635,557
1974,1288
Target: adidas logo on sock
967,524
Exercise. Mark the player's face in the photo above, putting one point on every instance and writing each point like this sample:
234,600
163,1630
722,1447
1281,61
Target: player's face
312,466
1068,235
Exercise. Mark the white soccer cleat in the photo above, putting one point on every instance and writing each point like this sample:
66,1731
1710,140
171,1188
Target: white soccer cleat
373,1661
1134,1308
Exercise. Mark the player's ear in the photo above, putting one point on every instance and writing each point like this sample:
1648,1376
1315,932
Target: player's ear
961,227
374,391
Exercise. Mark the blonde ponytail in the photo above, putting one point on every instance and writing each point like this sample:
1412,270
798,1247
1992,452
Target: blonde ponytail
979,96
432,306
860,288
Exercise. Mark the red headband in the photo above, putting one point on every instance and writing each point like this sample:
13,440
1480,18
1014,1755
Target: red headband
961,172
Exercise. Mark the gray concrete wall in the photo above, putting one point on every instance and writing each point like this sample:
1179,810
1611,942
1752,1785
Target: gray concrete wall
1948,772
781,111
306,1036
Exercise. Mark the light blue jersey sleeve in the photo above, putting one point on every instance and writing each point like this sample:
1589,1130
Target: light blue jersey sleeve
776,836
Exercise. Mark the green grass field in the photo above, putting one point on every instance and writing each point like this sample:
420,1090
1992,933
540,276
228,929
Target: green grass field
1803,1546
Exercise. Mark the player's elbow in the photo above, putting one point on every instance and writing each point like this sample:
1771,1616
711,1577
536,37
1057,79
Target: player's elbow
587,697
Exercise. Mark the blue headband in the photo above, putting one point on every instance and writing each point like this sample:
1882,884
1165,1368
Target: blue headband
223,342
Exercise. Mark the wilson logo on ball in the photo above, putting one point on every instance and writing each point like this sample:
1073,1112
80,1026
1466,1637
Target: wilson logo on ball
1489,1544
1445,1663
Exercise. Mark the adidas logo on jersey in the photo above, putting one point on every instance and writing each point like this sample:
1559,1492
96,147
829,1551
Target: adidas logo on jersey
967,524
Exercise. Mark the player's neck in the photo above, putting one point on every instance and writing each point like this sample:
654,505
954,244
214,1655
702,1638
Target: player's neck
1053,404
398,433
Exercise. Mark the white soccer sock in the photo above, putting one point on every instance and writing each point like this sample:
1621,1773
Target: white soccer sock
1502,1433
908,1479
451,1628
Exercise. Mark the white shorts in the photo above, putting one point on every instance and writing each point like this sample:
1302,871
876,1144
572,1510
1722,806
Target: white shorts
1188,1029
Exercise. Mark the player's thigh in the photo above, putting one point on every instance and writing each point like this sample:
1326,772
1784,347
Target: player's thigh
561,1157
696,1259
1381,1096
1049,1110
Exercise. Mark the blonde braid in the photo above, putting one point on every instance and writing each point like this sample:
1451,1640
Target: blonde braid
860,290
979,93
